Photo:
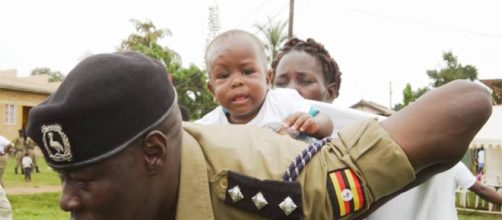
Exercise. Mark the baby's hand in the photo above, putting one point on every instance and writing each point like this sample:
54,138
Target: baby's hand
303,122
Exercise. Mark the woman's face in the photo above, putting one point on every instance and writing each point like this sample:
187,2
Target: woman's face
303,72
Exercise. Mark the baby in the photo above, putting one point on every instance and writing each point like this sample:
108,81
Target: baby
240,81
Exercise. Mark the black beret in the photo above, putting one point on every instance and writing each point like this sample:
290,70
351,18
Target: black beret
106,102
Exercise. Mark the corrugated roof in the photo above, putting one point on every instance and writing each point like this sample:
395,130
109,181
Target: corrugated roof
374,105
494,84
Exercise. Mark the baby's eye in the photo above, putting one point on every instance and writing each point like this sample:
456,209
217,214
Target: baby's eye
222,76
247,72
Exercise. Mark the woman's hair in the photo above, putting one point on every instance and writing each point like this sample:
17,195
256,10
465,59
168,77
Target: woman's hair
331,71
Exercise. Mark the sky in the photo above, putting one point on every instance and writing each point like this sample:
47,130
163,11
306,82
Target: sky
379,45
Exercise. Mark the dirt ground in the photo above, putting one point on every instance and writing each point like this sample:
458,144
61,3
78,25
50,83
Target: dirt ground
31,190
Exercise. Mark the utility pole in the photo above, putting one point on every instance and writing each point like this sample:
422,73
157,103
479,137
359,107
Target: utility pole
291,15
390,94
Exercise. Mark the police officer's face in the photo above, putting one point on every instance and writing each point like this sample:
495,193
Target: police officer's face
238,77
303,72
112,189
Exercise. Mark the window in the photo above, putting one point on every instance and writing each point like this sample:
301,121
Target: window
10,114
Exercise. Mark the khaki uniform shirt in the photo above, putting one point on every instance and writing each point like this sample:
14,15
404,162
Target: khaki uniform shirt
21,146
341,181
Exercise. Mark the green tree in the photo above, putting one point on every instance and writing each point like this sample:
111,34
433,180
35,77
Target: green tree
274,36
190,83
453,70
145,40
497,98
191,86
409,96
213,26
54,76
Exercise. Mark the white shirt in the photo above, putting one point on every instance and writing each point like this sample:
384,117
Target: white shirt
5,207
278,105
26,161
481,157
3,143
433,199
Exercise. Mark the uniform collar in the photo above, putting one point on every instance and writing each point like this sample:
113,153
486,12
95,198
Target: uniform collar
194,201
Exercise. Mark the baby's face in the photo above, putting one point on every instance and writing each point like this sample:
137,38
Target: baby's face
238,78
303,72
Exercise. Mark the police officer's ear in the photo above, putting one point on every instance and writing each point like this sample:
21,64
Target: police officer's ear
155,151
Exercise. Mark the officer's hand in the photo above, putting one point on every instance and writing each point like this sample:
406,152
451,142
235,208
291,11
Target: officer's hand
303,122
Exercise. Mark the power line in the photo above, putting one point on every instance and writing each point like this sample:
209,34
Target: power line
249,15
280,11
427,24
276,14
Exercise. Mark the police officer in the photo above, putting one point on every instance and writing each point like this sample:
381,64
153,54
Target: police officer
23,144
118,112
5,146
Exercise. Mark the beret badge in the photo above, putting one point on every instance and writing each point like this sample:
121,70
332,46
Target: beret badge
56,143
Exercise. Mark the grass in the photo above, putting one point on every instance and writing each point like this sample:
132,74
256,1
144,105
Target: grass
468,215
463,215
46,176
41,206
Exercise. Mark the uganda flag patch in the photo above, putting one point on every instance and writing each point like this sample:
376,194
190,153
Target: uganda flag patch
345,192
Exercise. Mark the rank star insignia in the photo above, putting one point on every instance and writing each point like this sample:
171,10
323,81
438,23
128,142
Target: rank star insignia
259,200
287,206
235,194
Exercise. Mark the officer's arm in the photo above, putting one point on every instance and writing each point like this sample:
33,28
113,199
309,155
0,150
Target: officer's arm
435,131
8,148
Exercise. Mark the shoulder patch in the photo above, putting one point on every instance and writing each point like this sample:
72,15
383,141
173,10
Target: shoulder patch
345,192
268,198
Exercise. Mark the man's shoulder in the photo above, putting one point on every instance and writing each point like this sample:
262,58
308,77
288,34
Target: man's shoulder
242,142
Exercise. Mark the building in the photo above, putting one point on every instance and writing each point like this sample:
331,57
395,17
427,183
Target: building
17,96
496,86
372,107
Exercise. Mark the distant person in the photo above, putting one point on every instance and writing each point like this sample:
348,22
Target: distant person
22,145
435,199
240,81
480,160
27,164
5,146
156,167
307,67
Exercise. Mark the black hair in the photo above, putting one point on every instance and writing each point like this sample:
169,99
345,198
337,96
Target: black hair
331,71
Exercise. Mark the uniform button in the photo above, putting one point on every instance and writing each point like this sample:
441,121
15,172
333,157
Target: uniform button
224,183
